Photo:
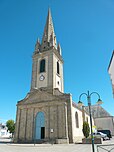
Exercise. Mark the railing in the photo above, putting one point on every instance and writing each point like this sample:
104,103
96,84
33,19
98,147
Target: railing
105,148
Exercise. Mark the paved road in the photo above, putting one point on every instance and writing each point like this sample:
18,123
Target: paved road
45,148
8,147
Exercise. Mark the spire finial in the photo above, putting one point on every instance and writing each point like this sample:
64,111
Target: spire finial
49,11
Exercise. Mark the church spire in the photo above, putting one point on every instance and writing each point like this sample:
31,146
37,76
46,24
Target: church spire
49,38
37,46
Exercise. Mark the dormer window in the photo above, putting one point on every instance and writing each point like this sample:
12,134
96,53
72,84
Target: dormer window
42,66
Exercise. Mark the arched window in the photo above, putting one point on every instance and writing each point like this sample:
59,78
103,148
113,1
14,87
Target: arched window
42,65
77,120
58,68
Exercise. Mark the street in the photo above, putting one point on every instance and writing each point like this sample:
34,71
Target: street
5,146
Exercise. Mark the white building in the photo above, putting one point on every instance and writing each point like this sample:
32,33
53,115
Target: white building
102,119
111,71
4,133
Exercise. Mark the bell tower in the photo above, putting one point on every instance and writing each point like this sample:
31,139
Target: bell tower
47,67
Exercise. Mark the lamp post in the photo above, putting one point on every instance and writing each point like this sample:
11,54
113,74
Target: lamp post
88,95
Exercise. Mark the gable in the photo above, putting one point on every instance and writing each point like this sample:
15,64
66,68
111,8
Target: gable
41,95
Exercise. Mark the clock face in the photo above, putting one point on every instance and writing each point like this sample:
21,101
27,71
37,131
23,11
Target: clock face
42,78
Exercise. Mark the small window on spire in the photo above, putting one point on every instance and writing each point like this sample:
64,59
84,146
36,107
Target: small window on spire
58,72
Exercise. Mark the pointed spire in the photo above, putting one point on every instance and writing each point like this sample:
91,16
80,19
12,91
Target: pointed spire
59,49
37,46
49,38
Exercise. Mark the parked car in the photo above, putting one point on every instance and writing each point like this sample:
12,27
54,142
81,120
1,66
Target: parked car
108,132
100,135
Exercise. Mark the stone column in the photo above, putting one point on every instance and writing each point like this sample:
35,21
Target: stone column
65,121
17,125
69,116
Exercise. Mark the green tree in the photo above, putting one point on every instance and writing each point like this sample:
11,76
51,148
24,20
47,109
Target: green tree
11,126
86,129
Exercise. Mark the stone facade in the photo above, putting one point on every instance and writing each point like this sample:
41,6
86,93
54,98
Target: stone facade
52,79
55,109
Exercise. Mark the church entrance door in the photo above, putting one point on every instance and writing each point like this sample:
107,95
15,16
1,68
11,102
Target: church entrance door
40,126
42,132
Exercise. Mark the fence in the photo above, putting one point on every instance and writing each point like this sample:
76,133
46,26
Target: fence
105,148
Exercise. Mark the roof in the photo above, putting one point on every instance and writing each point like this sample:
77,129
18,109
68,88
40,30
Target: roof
98,111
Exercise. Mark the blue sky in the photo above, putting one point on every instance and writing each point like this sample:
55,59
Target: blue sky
85,30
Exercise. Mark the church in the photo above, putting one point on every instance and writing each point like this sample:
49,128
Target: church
47,113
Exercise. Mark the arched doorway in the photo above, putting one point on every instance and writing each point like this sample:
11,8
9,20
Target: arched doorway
40,126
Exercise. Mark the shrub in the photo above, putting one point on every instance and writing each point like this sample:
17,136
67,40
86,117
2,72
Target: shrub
86,129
